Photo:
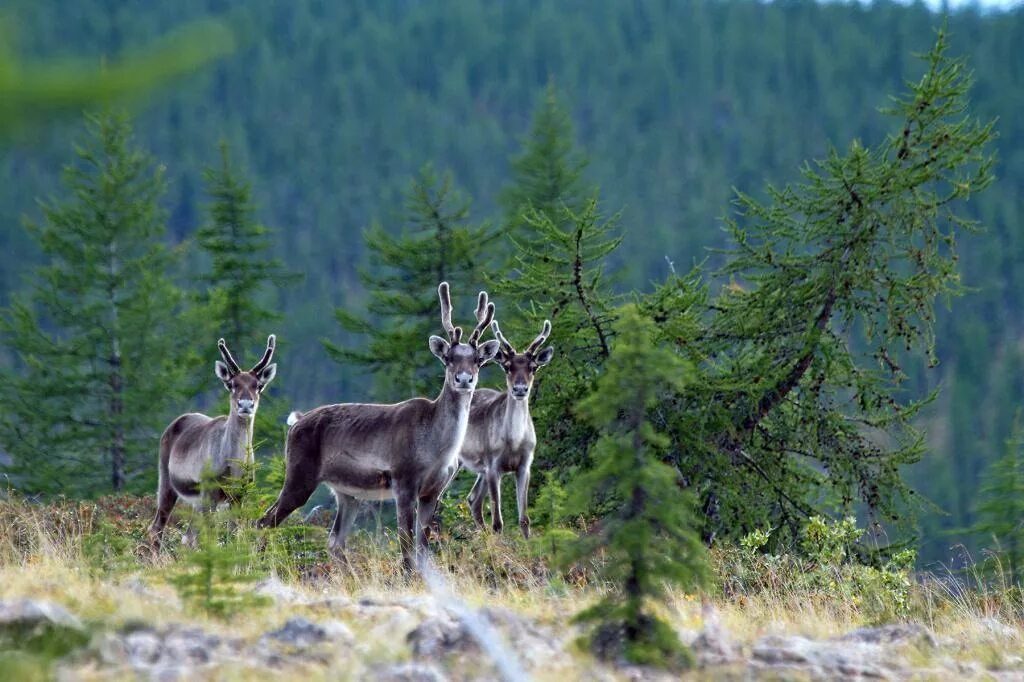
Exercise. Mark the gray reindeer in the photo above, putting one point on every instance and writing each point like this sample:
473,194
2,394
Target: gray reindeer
500,439
195,443
407,451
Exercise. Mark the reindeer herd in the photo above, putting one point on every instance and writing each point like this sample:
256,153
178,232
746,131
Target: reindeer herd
409,451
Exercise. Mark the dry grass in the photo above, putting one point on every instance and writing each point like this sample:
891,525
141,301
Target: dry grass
44,554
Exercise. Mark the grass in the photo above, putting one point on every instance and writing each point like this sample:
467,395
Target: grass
93,559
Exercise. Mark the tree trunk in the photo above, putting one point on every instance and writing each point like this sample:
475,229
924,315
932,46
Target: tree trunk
116,410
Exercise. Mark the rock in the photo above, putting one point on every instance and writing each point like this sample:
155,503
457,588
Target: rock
532,643
820,659
31,624
713,645
303,634
409,672
277,591
437,637
28,614
896,633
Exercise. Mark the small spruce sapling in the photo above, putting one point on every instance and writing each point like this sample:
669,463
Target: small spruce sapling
643,540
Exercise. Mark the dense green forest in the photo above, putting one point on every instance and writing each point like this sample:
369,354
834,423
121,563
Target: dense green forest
331,109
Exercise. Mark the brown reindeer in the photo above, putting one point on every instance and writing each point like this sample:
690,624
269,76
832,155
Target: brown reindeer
195,445
407,451
500,439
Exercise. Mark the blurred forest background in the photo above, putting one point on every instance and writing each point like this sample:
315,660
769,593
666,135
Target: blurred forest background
331,108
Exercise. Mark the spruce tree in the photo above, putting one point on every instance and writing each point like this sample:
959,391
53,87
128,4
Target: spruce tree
644,535
548,174
438,243
97,333
1000,509
244,274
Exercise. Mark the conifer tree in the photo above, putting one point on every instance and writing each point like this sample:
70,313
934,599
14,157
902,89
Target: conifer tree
560,276
97,334
438,243
548,174
645,530
801,407
1000,508
243,269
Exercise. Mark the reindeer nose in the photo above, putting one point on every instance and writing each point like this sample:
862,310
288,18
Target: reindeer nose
520,390
245,403
463,379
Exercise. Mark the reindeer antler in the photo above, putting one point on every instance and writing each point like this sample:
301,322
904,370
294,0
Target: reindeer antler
454,333
228,360
267,354
541,338
505,345
484,315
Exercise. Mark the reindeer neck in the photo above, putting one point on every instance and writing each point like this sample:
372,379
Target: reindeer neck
517,416
238,434
450,403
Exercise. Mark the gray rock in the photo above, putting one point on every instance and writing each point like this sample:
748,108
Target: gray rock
713,645
437,637
277,591
409,672
302,633
896,633
29,614
821,659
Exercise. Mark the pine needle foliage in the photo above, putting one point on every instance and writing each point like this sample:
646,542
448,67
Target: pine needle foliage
1000,508
560,272
802,407
97,330
243,267
437,243
645,530
548,175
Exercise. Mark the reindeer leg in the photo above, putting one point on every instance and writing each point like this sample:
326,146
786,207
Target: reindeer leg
294,493
166,498
476,500
494,484
425,515
347,512
522,491
405,503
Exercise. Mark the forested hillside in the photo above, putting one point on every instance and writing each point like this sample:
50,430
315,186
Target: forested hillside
333,107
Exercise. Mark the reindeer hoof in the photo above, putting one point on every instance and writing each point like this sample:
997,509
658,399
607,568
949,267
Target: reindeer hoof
524,526
497,527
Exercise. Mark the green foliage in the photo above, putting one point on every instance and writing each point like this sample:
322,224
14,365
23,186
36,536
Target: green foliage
823,567
560,277
217,576
243,264
35,91
96,333
437,243
1001,507
645,531
547,176
801,407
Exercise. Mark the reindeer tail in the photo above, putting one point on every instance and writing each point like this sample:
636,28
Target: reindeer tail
294,417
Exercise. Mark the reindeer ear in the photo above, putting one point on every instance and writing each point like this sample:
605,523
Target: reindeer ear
439,347
485,352
222,371
544,357
267,374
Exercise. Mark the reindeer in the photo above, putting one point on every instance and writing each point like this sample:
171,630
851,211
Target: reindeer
500,438
194,444
407,451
